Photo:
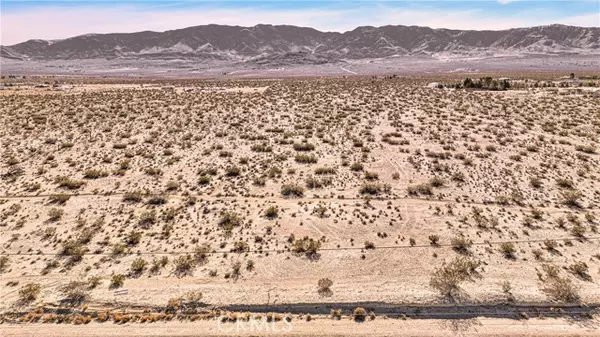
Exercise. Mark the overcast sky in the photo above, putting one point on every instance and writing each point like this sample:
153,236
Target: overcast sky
23,20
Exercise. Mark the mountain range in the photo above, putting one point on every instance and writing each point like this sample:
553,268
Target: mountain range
263,43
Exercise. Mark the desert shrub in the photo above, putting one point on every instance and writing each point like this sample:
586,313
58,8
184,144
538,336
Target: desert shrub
157,199
434,239
564,183
461,244
93,282
312,182
240,247
210,171
508,250
55,214
72,249
371,175
29,292
4,263
436,182
147,219
201,253
134,196
459,177
137,267
95,174
153,171
76,292
320,211
229,220
204,180
571,198
356,167
374,188
292,190
260,181
116,281
233,171
538,254
324,286
586,148
324,170
336,314
69,183
272,212
303,147
305,159
578,230
261,148
307,246
424,189
172,186
561,289
369,245
535,182
447,278
60,199
359,314
580,269
550,245
158,264
133,238
184,265
236,270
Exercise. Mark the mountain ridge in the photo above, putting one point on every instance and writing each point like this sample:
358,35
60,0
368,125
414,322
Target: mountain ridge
238,43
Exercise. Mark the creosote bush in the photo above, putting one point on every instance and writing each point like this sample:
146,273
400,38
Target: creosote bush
447,278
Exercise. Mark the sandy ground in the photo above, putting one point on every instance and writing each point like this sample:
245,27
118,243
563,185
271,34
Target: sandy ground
322,327
414,65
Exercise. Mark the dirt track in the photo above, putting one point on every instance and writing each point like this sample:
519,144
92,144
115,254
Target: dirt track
323,327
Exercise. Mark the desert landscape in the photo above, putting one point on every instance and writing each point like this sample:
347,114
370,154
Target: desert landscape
341,204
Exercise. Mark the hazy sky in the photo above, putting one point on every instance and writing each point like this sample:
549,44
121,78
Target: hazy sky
23,20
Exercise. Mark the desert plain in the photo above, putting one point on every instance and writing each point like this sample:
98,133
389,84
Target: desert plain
363,200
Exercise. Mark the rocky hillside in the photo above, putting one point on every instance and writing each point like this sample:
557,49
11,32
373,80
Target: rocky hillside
307,45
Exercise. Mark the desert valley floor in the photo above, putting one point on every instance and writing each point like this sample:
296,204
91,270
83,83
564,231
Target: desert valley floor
296,196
